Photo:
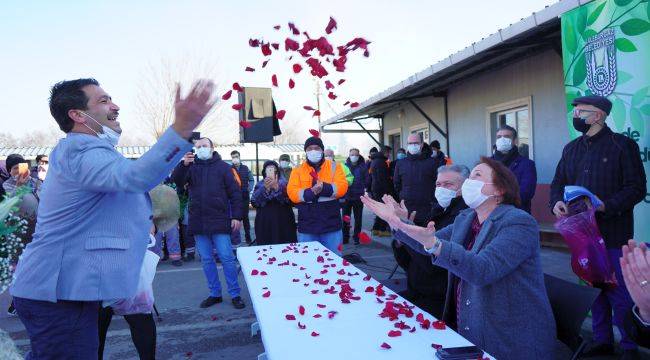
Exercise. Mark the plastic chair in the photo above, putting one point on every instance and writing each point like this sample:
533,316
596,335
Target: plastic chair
571,304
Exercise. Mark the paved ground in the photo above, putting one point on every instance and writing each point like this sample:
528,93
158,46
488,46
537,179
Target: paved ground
221,332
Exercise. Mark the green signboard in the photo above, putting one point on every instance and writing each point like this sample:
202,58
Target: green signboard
606,51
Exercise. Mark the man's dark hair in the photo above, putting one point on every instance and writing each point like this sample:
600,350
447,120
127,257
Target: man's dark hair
235,152
509,128
39,157
401,150
68,95
435,144
373,150
210,141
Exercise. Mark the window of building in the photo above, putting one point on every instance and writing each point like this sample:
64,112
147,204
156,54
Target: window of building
516,114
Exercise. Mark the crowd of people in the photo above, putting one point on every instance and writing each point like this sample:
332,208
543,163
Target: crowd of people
465,238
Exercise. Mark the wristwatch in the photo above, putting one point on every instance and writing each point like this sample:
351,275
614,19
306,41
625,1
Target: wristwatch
434,248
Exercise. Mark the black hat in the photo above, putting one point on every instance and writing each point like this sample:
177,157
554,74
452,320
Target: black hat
600,102
284,157
435,144
14,159
314,141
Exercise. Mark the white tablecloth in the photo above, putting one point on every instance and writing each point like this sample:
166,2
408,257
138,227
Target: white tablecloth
356,331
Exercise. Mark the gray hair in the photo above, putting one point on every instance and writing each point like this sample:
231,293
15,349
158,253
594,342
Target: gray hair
461,170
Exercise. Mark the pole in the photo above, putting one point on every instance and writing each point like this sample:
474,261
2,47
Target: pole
257,163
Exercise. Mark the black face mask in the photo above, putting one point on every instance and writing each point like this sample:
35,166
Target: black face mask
580,125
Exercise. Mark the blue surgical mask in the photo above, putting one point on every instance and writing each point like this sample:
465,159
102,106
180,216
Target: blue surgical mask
314,156
414,149
110,135
354,158
204,153
401,156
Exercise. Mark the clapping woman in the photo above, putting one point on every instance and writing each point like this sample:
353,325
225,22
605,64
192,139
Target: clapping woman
275,222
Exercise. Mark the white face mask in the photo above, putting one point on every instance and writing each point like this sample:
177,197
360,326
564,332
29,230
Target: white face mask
236,161
42,171
110,135
314,156
444,196
204,153
472,194
434,153
331,158
504,144
414,149
285,164
354,158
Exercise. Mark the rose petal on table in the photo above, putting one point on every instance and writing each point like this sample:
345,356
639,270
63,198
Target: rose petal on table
296,280
303,268
341,272
316,113
331,314
354,104
264,63
385,346
253,42
341,81
328,85
297,68
380,300
290,44
266,49
294,29
263,273
324,271
436,346
237,106
308,108
276,46
370,289
347,102
333,97
317,316
314,292
277,27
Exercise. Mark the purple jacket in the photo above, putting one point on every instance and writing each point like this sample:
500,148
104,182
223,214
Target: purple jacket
526,174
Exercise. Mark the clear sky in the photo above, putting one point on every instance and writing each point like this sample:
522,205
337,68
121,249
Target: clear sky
118,41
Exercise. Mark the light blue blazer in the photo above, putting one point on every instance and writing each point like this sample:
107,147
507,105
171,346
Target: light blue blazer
93,220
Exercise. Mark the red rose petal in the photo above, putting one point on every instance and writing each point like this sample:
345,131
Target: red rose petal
280,114
317,316
213,317
328,85
236,87
331,314
439,325
436,346
238,106
333,97
297,68
296,280
340,248
308,108
314,334
426,324
264,63
314,291
266,50
254,272
276,46
277,27
227,95
321,306
253,42
385,346
290,317
294,29
364,238
330,26
341,272
370,289
266,294
301,326
412,330
354,104
347,102
366,278
290,44
301,310
263,273
274,80
245,124
291,84
341,81
314,133
250,69
316,113
394,333
324,271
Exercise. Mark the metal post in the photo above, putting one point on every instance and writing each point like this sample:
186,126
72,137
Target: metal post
257,163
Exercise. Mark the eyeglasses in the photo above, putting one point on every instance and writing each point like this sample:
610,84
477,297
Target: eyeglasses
582,113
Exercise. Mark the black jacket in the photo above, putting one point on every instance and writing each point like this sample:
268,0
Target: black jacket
415,183
215,197
380,177
637,332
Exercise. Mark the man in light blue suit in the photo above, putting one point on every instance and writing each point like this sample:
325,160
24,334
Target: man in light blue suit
94,217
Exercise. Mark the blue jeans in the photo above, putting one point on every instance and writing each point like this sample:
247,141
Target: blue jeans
206,244
61,330
330,240
171,240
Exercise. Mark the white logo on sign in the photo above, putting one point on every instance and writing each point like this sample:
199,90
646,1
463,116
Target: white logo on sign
600,56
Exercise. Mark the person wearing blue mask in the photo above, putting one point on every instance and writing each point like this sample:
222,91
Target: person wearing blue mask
94,217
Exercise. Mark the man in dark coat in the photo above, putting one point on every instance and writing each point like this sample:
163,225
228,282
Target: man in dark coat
380,185
247,184
507,152
427,283
415,180
357,165
215,210
437,154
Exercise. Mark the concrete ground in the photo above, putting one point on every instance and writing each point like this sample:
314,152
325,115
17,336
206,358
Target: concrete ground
186,331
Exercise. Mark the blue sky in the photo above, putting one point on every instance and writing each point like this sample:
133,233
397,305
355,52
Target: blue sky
117,41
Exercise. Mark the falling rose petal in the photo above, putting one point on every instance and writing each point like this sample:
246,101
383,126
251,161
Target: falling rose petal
253,42
316,113
370,289
280,114
301,310
308,108
297,68
290,44
394,333
436,346
277,27
346,219
328,85
333,97
302,268
227,95
341,81
385,346
317,316
412,330
245,124
266,50
213,317
364,238
324,271
266,294
276,46
331,314
314,292
237,88
321,306
347,102
314,334
439,325
294,29
366,53
341,272
291,84
340,248
346,263
237,106
250,69
330,26
263,273
366,278
354,104
255,272
296,280
301,326
274,80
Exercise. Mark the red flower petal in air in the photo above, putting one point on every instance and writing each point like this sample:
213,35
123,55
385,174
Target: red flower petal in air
294,29
301,326
263,273
280,114
330,26
354,104
227,95
308,108
236,87
394,333
347,102
296,280
290,44
277,27
314,334
439,325
254,272
314,292
314,133
214,317
276,46
266,49
237,106
291,84
436,346
364,238
321,306
341,81
301,310
316,113
346,219
264,63
266,294
370,289
328,85
342,271
253,42
274,80
340,248
367,278
290,317
245,124
385,346
331,314
333,97
250,69
297,68
317,316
